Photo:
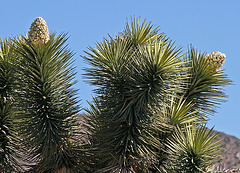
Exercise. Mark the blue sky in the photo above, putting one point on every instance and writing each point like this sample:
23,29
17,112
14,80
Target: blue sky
210,25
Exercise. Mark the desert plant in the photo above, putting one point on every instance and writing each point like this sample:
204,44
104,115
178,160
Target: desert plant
146,90
205,81
48,101
202,94
193,149
149,112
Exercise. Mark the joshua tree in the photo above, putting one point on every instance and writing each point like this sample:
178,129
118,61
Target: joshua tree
150,101
48,101
149,113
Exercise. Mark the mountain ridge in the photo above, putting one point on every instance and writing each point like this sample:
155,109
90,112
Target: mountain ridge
230,159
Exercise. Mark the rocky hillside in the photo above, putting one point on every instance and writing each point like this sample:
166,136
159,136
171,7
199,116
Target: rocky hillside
230,158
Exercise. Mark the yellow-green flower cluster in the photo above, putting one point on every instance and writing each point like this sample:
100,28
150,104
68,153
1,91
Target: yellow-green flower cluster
39,31
216,59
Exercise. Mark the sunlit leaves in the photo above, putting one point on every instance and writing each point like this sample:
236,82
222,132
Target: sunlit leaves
204,86
147,94
194,149
134,72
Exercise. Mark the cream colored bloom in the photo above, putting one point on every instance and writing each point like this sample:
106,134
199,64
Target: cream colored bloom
216,59
39,31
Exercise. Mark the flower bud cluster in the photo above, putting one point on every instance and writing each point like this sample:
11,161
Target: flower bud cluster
216,59
39,31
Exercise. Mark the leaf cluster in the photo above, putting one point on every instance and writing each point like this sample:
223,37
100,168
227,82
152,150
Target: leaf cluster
149,94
